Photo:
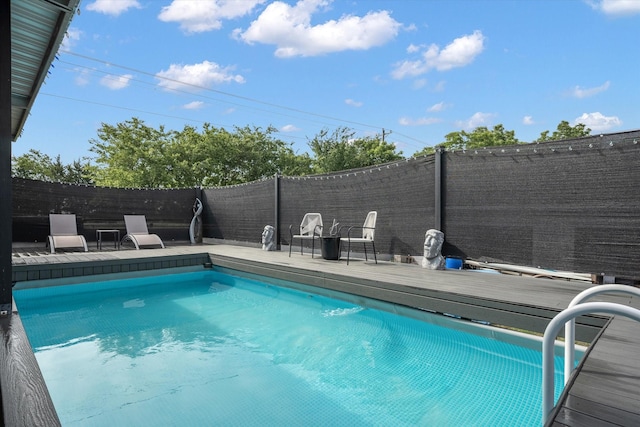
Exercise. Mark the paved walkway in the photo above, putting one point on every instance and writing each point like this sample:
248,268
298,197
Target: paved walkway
605,392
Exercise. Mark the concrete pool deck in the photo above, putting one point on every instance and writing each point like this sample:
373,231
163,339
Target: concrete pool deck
606,390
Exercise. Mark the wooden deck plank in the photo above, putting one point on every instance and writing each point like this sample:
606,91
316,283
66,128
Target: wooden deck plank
618,395
568,417
599,412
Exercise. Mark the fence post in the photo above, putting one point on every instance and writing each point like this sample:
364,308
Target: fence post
276,218
438,190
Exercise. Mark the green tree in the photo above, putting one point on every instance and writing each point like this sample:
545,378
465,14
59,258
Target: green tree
36,165
133,154
478,138
249,154
565,131
340,150
374,151
187,164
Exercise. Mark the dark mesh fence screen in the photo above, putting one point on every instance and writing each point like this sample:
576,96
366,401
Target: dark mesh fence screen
401,193
239,212
168,212
568,205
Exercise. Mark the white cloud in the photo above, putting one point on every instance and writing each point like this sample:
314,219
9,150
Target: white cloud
597,121
70,38
194,105
439,87
290,29
527,120
353,103
477,120
82,78
460,52
198,76
419,83
205,15
289,128
412,48
616,7
579,92
116,82
435,108
113,7
422,121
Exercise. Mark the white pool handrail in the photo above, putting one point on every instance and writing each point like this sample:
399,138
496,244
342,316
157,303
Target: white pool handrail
551,332
570,326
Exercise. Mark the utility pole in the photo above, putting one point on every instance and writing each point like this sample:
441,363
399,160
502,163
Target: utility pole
388,132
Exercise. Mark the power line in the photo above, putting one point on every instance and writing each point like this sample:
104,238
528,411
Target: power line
102,104
416,142
270,112
245,98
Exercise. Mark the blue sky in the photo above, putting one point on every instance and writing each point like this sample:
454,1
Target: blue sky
419,69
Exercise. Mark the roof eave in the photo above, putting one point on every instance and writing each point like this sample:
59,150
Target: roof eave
56,28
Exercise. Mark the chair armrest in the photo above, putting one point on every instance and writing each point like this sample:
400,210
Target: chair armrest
358,227
342,227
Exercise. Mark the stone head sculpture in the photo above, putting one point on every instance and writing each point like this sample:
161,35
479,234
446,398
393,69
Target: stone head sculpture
268,238
433,259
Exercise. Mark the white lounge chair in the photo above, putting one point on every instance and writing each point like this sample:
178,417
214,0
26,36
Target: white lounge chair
368,235
310,229
64,233
138,233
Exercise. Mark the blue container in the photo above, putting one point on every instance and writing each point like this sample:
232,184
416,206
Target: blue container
454,263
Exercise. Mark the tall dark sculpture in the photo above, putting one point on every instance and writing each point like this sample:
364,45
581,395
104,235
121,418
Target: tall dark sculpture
195,228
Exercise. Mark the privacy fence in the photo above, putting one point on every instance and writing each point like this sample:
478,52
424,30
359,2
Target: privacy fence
168,212
566,205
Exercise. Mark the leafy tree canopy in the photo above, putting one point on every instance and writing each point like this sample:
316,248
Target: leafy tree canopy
479,137
565,131
340,150
133,154
36,165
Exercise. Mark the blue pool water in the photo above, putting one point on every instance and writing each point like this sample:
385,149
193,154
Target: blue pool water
208,348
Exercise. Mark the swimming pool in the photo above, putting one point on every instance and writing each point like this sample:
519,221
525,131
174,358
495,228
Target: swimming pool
208,348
